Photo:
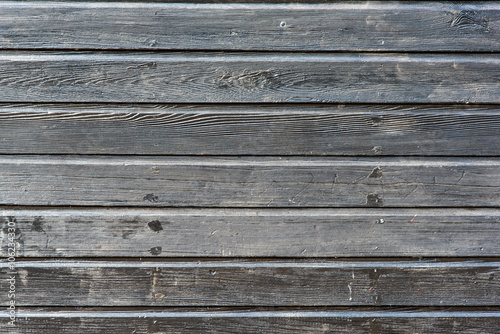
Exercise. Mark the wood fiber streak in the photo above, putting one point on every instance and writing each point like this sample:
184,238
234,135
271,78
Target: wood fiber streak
347,321
220,283
320,27
249,77
365,130
252,233
249,182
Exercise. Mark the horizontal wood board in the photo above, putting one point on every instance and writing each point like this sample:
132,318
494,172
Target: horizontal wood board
249,182
303,233
199,77
375,321
228,283
362,130
338,26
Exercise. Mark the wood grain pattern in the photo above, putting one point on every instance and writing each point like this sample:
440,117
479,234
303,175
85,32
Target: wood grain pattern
369,321
249,182
249,77
250,168
255,283
341,26
304,233
363,130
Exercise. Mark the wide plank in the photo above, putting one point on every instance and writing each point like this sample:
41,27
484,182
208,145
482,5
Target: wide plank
339,26
249,182
303,233
362,130
254,283
217,320
249,77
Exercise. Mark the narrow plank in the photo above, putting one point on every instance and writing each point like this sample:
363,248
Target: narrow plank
254,283
361,130
249,77
251,233
249,182
341,26
405,321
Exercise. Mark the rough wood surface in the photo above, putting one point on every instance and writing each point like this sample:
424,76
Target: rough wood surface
249,182
370,321
250,168
249,77
252,233
389,26
250,130
255,283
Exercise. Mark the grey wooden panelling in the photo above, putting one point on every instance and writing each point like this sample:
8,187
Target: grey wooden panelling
299,233
249,182
198,77
346,25
217,320
362,130
256,283
334,162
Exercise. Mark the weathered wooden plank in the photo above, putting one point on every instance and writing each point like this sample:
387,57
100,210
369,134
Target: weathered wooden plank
249,77
251,233
250,130
254,283
389,26
249,182
369,321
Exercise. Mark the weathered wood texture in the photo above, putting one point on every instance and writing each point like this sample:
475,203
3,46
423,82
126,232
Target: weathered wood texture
375,321
389,26
253,233
162,161
249,182
250,130
258,283
248,77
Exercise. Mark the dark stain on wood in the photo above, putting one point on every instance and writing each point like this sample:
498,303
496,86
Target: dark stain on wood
150,198
374,200
155,251
38,225
155,226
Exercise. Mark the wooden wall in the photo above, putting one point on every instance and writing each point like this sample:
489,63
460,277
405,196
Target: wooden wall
328,167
